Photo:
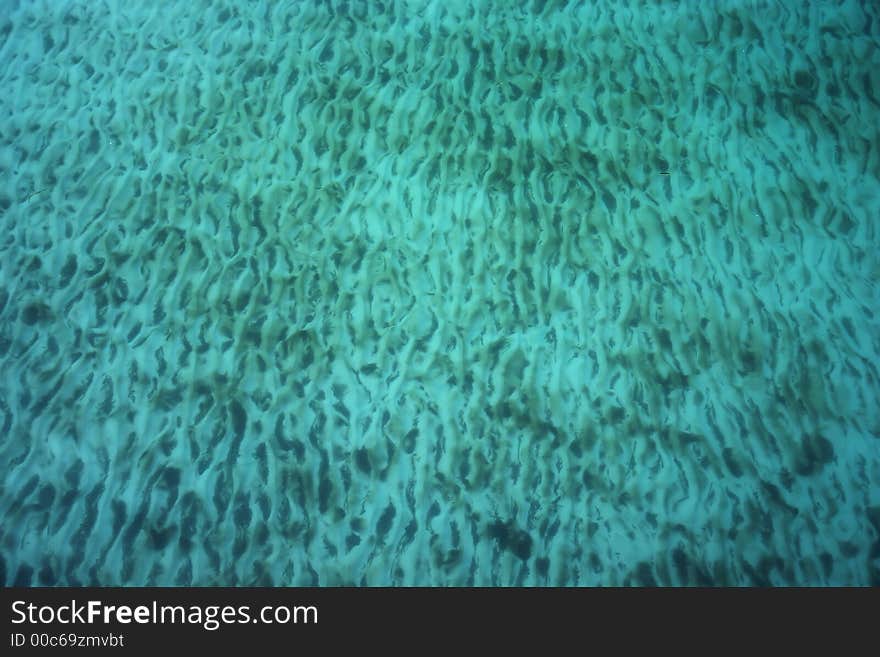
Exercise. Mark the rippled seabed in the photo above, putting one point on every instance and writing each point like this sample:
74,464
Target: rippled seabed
440,293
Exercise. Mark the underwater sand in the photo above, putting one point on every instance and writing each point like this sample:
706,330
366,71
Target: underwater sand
439,293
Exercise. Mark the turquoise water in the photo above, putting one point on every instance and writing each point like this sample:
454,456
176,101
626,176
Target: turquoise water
439,293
